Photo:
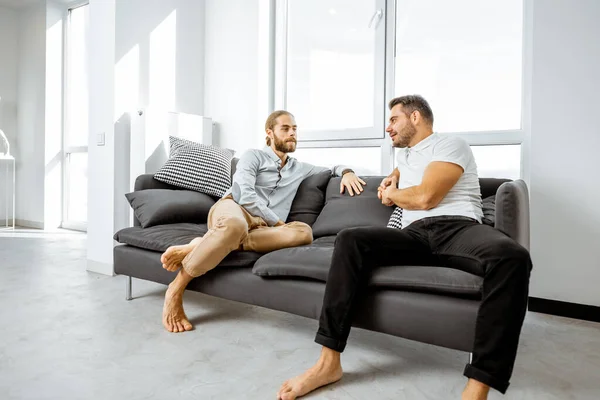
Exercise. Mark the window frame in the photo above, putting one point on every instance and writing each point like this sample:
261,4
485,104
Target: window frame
281,72
67,149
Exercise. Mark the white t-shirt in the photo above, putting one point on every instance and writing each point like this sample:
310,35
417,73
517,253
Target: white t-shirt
464,199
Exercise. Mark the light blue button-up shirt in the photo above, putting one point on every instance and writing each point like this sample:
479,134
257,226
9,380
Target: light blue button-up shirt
265,189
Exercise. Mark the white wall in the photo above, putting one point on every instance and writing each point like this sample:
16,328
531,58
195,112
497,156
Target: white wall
8,97
565,141
145,54
30,143
159,53
236,57
101,119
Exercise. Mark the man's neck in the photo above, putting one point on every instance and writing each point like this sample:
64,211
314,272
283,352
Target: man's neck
420,136
282,156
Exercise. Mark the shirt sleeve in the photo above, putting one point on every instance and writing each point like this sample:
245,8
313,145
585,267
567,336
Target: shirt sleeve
243,190
453,150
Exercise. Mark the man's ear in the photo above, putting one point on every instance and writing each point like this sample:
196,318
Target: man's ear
415,116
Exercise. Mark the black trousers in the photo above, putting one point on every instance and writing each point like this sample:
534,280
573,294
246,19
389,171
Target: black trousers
454,242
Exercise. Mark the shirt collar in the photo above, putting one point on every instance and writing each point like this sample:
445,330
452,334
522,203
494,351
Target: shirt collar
423,144
275,157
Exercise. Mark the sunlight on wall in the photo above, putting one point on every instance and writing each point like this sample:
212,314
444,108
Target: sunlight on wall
163,58
54,84
127,82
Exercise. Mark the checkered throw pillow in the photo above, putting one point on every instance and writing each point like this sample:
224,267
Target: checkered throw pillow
395,219
195,166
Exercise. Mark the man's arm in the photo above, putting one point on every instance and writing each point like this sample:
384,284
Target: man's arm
243,190
439,177
350,181
311,170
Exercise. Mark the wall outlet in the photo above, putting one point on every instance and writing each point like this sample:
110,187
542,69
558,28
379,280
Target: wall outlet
100,139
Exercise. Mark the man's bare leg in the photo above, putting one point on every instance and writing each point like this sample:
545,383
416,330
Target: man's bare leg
475,390
327,370
174,318
171,259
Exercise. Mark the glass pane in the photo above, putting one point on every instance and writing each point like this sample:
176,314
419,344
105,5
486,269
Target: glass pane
363,160
77,82
77,185
465,58
498,161
331,63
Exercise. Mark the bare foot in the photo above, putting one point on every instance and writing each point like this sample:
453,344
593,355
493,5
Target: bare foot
172,258
323,373
174,319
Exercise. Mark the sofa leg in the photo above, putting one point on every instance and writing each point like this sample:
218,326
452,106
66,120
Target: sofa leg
128,289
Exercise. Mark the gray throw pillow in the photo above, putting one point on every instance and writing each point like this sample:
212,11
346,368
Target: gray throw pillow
489,210
163,206
343,211
310,198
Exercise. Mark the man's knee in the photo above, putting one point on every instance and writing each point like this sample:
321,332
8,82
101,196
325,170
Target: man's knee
234,228
514,257
350,237
302,233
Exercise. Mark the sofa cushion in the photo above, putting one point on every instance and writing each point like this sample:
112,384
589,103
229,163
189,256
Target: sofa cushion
163,206
309,199
313,262
344,211
160,237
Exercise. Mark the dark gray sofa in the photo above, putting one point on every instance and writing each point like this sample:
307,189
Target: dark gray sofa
427,303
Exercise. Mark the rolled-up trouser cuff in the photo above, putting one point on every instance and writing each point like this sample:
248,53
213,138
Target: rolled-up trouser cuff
331,343
483,377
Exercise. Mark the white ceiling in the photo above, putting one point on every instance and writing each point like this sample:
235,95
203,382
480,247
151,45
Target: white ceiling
26,3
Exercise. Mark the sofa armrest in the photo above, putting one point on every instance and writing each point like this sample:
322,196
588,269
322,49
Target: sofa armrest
147,181
512,211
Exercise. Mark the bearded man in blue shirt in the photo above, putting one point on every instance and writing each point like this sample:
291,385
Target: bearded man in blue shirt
251,214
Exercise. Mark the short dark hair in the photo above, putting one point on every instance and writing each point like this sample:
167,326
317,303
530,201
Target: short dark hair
272,121
412,103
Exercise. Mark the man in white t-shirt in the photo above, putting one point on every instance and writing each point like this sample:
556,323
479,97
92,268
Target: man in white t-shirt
437,186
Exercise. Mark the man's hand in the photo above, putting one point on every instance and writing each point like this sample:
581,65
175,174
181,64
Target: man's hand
386,193
388,181
384,184
353,183
279,223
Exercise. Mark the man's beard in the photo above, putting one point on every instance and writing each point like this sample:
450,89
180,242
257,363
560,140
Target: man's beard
285,146
405,136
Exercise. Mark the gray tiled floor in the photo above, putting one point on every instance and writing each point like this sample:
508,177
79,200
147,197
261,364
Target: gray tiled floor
69,334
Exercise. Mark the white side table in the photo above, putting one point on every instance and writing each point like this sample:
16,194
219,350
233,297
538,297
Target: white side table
7,160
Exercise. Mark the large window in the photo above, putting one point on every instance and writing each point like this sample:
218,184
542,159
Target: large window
363,160
331,68
465,58
338,63
76,120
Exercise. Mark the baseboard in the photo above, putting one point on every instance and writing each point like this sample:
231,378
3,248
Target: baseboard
29,224
4,224
565,309
100,268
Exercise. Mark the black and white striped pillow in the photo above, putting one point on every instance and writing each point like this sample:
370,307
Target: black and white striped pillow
195,166
395,219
